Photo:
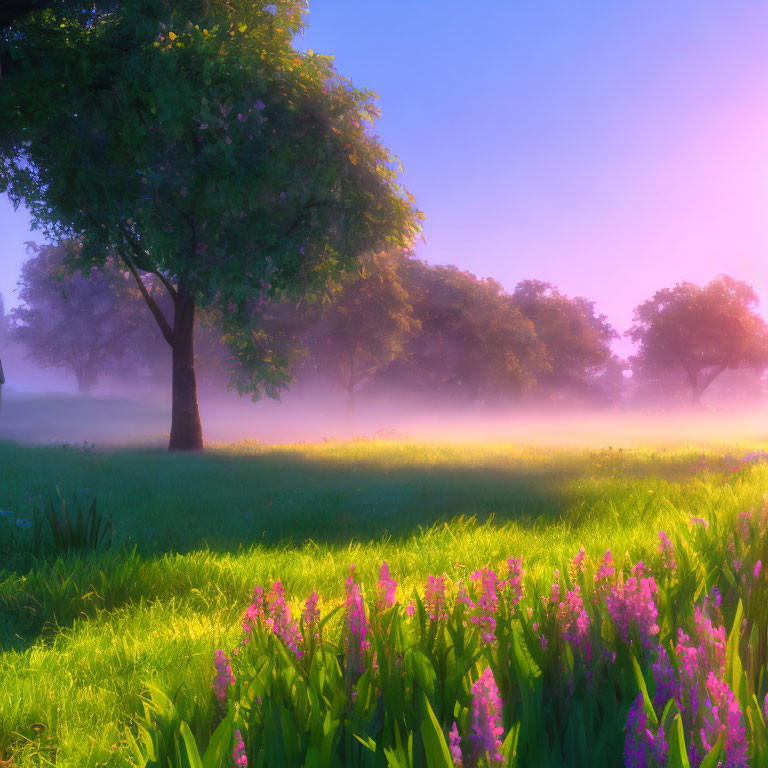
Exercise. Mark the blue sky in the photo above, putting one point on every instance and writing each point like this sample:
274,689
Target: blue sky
612,148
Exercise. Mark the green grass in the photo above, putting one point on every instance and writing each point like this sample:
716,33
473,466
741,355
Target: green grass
193,534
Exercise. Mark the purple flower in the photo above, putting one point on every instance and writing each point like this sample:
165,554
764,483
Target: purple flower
455,746
485,713
259,104
756,571
666,684
643,748
722,715
224,677
765,708
238,753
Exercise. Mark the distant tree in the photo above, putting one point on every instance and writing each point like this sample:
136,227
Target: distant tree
473,343
3,341
365,325
699,331
90,325
577,340
192,141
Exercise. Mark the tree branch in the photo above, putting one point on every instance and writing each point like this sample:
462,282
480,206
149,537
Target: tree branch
131,240
165,327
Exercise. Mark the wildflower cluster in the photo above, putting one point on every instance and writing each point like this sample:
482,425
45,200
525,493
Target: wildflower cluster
588,637
710,713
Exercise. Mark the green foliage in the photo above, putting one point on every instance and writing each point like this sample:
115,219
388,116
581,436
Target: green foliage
194,141
71,531
208,527
562,706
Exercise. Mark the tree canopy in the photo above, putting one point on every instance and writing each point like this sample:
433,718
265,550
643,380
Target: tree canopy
577,340
192,141
472,342
700,331
364,326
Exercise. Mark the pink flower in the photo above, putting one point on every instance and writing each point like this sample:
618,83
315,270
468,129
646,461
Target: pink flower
578,561
485,713
311,613
455,746
356,621
667,550
756,571
573,621
487,604
238,753
410,608
514,582
254,613
224,677
386,587
606,570
632,605
281,621
434,598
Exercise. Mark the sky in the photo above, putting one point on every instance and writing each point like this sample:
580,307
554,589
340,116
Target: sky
611,148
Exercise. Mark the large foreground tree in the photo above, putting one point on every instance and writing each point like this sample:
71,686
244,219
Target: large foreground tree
699,331
193,142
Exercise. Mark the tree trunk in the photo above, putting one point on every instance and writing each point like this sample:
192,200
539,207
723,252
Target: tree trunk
84,381
186,430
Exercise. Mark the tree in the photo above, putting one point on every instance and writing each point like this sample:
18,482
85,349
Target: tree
364,326
3,338
699,331
472,344
577,339
86,324
194,143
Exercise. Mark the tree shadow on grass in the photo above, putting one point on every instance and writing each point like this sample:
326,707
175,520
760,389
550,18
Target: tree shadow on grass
224,500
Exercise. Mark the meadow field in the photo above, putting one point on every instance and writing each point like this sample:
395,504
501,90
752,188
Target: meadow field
90,643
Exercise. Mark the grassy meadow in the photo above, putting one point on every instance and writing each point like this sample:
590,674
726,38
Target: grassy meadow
81,637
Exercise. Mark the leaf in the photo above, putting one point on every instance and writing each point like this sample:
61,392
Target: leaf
648,706
220,744
438,755
190,745
712,758
678,755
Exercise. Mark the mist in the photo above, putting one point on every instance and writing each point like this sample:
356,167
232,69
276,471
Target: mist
42,406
